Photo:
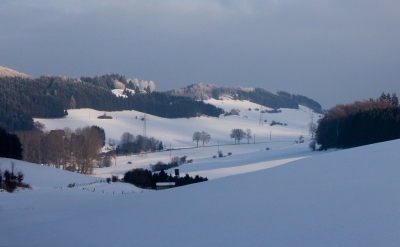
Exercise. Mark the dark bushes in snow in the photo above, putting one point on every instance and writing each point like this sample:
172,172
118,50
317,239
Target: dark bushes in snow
11,180
175,162
146,179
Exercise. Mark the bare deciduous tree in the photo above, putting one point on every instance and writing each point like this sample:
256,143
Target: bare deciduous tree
91,145
238,134
144,85
205,137
197,137
248,135
152,86
127,138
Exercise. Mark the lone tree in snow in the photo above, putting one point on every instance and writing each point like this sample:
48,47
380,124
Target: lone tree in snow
205,137
238,134
248,135
197,137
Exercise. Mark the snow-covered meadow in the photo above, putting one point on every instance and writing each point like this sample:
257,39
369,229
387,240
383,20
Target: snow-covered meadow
177,133
336,198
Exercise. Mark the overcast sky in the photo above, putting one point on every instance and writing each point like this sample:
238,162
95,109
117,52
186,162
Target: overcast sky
333,51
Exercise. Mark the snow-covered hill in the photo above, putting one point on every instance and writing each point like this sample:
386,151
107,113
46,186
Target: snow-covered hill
342,198
177,133
284,196
6,72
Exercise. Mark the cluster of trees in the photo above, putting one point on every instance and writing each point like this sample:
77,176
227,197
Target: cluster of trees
146,179
232,112
10,180
66,149
201,136
203,91
303,100
114,81
168,106
50,97
10,145
131,144
360,123
277,123
175,162
239,134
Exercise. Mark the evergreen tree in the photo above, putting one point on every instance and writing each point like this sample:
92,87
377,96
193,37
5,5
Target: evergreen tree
10,145
160,146
395,100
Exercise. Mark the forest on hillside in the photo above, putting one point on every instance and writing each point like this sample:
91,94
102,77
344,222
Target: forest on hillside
360,123
51,97
203,91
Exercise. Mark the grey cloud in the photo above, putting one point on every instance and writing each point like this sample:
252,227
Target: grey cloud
332,51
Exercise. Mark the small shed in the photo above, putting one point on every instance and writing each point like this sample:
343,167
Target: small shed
164,185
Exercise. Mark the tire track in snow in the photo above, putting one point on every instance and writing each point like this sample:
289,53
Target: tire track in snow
231,171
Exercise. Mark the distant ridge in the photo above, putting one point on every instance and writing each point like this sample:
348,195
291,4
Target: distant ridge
204,91
6,72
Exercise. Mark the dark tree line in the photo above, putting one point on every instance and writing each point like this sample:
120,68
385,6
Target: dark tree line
303,100
50,97
146,179
263,97
360,123
10,145
168,106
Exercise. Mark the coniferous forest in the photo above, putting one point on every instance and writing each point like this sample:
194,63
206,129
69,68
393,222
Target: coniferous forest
360,123
51,97
203,91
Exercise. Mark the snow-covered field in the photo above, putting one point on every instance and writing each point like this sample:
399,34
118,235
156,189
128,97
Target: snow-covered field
342,198
177,134
337,198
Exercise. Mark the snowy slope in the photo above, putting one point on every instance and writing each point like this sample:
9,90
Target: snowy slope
284,196
178,133
342,198
6,72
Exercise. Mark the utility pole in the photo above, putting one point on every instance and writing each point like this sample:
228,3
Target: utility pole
144,125
170,152
254,138
144,119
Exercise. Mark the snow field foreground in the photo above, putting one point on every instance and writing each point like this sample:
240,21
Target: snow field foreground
342,198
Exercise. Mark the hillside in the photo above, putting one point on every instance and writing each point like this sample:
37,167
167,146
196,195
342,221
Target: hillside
342,198
6,72
24,98
283,196
49,97
261,96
